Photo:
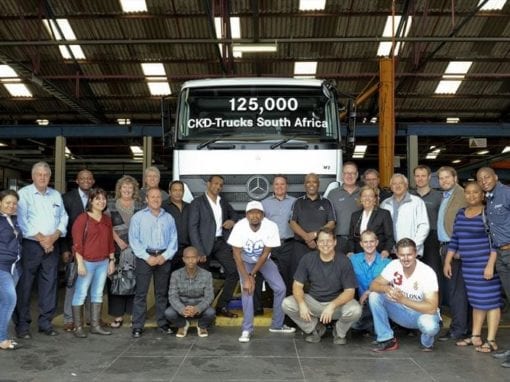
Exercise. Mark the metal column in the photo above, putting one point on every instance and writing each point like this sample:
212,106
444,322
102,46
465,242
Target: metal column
386,119
60,164
147,152
412,157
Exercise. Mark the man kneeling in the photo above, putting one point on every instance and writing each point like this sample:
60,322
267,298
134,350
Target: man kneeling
190,295
407,293
331,293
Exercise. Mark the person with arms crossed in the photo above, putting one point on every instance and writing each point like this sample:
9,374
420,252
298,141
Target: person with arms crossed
331,293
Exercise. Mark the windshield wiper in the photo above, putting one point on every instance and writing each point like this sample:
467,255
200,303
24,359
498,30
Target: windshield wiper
208,142
285,140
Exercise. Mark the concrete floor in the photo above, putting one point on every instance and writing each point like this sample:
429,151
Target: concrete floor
220,357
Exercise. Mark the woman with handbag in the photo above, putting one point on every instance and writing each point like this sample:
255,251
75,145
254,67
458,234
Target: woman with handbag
10,255
94,252
121,209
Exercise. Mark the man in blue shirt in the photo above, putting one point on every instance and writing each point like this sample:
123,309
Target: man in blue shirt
367,266
43,220
498,219
153,238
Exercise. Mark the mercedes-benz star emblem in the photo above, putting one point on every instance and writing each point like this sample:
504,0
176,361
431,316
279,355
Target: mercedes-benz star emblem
257,187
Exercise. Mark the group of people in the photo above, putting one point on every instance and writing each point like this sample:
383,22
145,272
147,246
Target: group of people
407,250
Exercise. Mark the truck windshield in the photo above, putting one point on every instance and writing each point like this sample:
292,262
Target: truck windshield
257,113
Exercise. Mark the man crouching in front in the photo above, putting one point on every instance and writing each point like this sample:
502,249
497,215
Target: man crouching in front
406,292
331,293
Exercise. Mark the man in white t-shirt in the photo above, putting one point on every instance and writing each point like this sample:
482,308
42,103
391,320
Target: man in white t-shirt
252,239
406,292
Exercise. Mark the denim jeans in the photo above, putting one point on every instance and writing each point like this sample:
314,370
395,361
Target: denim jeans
7,301
94,279
384,309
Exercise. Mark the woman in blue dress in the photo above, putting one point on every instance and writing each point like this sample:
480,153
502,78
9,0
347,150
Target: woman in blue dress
471,241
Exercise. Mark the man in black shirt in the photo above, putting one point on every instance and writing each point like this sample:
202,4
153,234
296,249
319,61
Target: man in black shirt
331,292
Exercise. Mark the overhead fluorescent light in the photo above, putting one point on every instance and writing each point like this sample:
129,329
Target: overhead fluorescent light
68,35
456,161
3,144
42,122
453,77
433,154
305,69
391,27
159,88
254,48
358,156
492,5
132,6
136,151
482,152
312,5
124,121
452,120
373,120
359,151
432,147
505,150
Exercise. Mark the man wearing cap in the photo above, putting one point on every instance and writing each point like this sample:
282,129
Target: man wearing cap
252,239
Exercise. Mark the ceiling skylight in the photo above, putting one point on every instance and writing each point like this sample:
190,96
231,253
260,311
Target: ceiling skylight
305,69
12,83
453,77
235,31
492,5
132,6
68,35
312,5
385,46
155,75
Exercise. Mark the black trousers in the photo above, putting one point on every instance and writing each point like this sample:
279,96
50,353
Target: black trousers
144,272
432,257
457,297
222,252
43,268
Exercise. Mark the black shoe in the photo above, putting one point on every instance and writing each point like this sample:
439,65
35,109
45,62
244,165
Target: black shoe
258,312
137,333
49,332
502,354
225,313
449,336
506,363
388,345
165,329
24,336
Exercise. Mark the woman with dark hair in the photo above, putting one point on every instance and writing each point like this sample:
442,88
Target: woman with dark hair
471,241
371,218
94,251
10,268
121,210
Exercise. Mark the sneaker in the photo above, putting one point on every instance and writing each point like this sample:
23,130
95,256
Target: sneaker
283,329
389,345
165,329
69,326
245,336
181,332
202,332
315,336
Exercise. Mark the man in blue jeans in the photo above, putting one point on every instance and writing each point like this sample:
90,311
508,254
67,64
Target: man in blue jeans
406,292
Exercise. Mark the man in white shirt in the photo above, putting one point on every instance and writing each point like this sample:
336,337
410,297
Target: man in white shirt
252,239
406,292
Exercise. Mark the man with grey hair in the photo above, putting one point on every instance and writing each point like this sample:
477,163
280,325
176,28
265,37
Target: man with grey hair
408,212
371,178
151,179
43,220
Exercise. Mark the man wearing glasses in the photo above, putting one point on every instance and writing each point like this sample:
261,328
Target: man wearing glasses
330,297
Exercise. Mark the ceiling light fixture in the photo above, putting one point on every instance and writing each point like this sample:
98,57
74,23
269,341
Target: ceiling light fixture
132,6
482,152
42,122
312,5
254,48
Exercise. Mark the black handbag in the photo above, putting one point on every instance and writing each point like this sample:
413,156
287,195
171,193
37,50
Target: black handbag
123,283
124,279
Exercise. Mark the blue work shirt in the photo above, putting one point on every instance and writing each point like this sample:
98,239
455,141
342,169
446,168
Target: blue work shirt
366,273
147,231
42,213
280,212
498,214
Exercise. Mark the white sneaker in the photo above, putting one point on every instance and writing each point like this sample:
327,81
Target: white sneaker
283,329
182,332
245,336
